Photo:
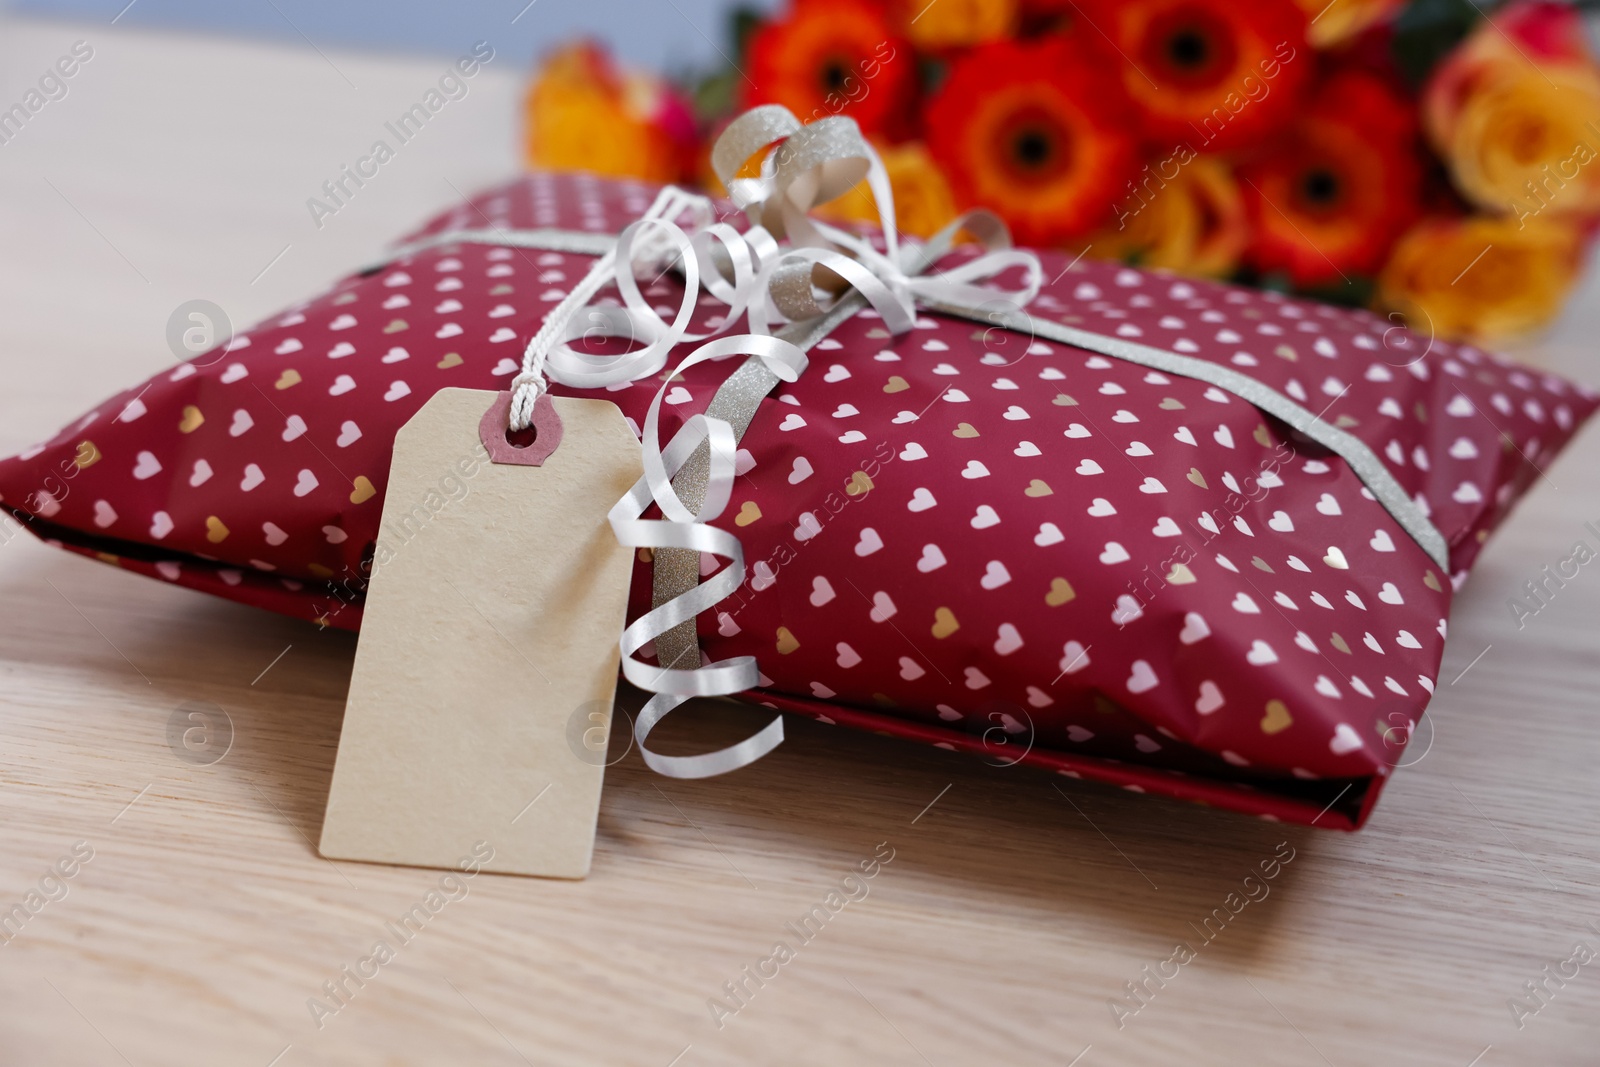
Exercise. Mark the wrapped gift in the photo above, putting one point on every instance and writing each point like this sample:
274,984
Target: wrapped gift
1178,536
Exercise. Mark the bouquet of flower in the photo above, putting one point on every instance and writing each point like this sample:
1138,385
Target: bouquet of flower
1422,157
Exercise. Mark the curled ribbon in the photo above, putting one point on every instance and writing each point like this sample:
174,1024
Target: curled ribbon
808,284
683,529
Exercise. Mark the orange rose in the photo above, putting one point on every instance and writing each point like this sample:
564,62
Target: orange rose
922,199
1515,113
1193,222
584,114
1481,277
1335,23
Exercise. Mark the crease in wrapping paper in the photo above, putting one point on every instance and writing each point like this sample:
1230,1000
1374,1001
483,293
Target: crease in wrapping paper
490,627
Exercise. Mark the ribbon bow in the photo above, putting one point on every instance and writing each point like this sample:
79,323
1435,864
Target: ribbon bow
791,269
786,267
801,168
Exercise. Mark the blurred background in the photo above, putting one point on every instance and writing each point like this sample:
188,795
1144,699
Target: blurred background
1429,159
661,34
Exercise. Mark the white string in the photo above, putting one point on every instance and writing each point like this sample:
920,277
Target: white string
527,386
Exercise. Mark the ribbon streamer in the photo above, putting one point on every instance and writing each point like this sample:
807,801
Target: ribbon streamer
690,531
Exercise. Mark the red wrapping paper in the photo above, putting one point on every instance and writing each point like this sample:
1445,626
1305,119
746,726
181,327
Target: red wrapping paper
964,536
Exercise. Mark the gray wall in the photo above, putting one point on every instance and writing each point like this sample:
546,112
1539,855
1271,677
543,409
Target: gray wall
665,34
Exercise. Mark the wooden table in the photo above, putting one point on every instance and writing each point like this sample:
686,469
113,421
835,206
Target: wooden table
1017,904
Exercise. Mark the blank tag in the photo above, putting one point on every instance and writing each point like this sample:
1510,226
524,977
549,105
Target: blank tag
488,652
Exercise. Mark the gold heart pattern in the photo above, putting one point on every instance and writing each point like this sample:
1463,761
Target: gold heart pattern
908,503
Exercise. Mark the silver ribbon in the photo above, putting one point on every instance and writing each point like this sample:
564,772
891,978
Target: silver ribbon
576,242
824,276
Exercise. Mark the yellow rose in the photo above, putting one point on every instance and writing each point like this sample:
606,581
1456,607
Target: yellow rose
1481,278
1337,22
922,199
1193,223
1515,113
1524,140
958,23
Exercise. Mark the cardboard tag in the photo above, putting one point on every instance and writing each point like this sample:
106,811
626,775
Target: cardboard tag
497,597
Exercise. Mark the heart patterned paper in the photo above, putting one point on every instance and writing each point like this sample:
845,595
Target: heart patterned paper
962,535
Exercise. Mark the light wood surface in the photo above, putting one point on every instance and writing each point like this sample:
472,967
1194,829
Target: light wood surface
1017,904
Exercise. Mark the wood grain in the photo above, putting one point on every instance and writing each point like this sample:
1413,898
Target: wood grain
1016,905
